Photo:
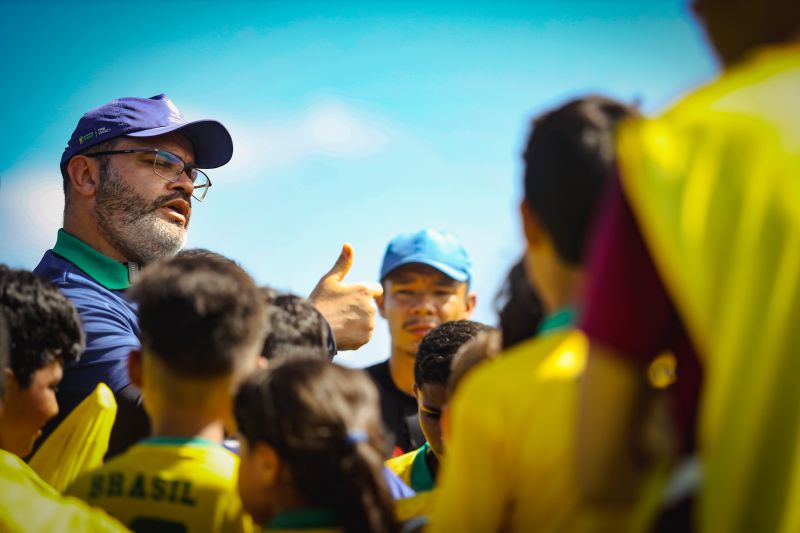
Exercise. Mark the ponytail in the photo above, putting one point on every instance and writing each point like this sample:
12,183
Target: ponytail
364,499
324,423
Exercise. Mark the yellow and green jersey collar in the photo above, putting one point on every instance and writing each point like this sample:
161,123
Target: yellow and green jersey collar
306,518
562,319
421,477
179,441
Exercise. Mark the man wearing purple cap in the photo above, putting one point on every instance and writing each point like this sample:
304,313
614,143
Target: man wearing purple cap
425,276
130,171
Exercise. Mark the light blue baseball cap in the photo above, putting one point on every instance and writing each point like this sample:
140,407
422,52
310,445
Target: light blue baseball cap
437,249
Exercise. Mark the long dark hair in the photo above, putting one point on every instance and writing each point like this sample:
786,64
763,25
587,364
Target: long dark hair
518,306
568,159
323,422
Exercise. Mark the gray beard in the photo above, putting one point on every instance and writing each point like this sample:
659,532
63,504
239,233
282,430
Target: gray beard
132,225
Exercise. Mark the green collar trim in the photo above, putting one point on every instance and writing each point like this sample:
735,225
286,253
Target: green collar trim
421,478
111,274
564,318
179,441
306,518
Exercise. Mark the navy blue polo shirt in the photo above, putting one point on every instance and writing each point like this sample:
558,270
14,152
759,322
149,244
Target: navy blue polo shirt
96,284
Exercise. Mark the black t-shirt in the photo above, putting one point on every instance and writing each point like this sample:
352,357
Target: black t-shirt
399,411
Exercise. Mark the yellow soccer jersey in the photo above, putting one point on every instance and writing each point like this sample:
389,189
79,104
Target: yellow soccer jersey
715,188
412,468
510,456
419,505
169,484
29,505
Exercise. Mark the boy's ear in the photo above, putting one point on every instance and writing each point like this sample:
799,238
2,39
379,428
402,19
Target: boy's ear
472,299
416,391
267,463
11,380
534,233
135,367
379,302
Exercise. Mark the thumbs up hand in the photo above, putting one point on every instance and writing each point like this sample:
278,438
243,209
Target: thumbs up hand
348,307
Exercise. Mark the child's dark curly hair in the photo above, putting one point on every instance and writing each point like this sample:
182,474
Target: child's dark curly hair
43,325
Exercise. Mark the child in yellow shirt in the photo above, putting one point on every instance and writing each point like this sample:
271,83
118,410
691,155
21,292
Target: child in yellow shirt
202,325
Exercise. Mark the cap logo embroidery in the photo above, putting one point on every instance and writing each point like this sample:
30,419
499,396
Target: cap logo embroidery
147,117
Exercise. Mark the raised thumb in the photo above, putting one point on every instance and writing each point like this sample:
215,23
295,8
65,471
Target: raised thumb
343,263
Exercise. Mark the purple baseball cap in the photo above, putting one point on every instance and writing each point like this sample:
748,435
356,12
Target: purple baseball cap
148,117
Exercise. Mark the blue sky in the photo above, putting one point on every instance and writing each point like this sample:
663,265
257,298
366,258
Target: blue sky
352,121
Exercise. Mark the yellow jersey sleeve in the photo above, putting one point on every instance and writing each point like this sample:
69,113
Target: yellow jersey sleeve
79,443
472,490
418,505
28,504
401,466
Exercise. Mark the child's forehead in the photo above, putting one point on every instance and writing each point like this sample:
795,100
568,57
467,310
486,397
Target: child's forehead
415,272
433,391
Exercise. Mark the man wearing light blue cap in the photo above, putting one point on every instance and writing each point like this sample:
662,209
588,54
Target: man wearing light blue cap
131,170
425,277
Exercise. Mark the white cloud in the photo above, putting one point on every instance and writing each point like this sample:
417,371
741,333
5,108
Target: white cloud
329,128
31,209
32,202
341,132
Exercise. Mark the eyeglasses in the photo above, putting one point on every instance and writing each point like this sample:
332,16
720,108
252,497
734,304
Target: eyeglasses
170,167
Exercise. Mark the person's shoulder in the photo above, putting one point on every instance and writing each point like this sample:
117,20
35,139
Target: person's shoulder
392,397
760,81
752,88
14,471
218,462
379,372
29,500
207,464
503,371
81,487
97,305
73,281
522,365
53,268
86,291
59,270
418,506
378,369
9,462
198,458
401,464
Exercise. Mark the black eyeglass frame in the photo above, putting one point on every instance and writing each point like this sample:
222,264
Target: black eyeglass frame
159,151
